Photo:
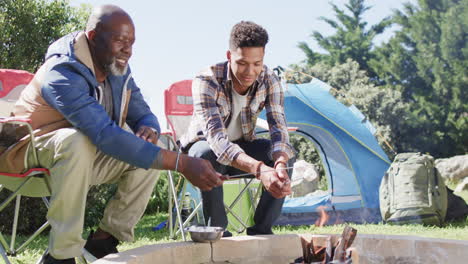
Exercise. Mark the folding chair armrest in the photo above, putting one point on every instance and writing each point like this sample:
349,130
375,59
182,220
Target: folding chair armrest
28,173
169,135
16,120
26,122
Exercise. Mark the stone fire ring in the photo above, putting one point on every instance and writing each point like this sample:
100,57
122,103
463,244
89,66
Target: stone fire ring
283,249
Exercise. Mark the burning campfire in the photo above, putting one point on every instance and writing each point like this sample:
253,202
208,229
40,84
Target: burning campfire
323,216
338,253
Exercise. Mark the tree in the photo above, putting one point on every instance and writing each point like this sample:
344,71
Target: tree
351,41
426,61
382,106
28,27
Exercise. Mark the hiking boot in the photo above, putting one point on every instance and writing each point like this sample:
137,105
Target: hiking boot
51,260
101,247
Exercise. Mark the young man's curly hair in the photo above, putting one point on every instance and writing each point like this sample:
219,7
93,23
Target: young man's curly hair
247,34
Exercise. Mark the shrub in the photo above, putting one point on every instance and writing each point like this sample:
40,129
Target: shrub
159,200
33,212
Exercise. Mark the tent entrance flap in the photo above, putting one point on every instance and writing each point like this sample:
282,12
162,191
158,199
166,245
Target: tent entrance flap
333,158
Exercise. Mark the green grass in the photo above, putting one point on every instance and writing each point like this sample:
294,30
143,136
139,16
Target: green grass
456,230
144,235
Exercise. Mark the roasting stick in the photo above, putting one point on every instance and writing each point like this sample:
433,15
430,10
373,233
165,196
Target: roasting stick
244,175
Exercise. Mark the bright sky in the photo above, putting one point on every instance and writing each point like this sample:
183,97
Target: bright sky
175,39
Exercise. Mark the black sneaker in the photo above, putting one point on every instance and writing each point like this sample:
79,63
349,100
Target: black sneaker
251,231
101,247
51,260
227,234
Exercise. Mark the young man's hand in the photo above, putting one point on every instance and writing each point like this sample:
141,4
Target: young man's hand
282,171
275,181
148,134
199,172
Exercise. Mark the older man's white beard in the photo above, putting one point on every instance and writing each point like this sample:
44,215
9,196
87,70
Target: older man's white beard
116,71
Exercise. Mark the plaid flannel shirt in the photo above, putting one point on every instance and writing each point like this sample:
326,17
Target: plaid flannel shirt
212,101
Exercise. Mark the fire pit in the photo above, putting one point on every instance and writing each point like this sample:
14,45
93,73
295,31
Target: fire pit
285,249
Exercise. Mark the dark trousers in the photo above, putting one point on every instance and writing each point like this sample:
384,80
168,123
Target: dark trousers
268,209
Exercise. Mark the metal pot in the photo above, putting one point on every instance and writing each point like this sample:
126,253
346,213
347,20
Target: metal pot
205,234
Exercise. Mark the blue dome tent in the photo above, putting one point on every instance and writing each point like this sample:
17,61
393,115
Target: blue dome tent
353,160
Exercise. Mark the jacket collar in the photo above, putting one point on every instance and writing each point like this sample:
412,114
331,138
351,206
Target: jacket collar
82,52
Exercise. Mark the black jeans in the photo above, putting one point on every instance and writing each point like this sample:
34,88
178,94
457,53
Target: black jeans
268,209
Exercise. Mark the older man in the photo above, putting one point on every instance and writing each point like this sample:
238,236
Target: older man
227,98
79,101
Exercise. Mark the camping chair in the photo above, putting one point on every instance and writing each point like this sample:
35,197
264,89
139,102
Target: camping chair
178,107
178,110
31,183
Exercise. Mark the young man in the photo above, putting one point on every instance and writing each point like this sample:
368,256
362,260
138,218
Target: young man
79,101
227,99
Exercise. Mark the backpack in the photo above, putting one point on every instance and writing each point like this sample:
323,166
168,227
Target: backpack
413,191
